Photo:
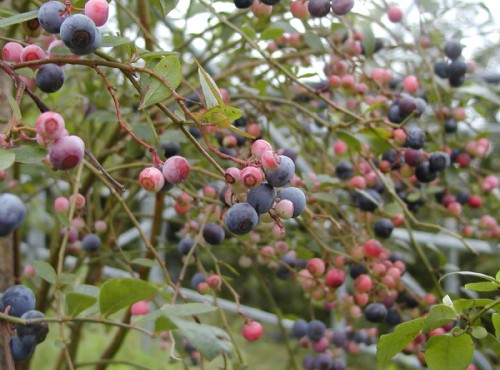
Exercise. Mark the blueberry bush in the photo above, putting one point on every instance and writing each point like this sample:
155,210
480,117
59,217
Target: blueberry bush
332,162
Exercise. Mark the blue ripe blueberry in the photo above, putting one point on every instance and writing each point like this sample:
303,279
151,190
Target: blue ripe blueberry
50,78
338,365
80,34
415,138
368,201
185,246
297,197
243,4
281,175
343,170
316,330
38,330
197,279
342,7
441,69
457,68
383,228
450,126
375,312
324,362
241,218
457,81
12,213
439,161
318,8
171,148
423,173
339,338
21,351
299,328
51,16
394,115
309,362
213,233
453,49
393,317
91,243
262,197
20,299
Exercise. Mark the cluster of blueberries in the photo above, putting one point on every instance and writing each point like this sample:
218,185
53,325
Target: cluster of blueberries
19,301
455,68
78,32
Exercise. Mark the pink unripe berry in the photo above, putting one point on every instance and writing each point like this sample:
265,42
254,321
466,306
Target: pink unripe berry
98,11
100,226
411,84
226,97
79,201
31,53
358,182
454,209
363,283
151,179
373,248
66,152
334,278
437,331
490,182
316,266
334,81
321,345
395,15
139,308
11,52
29,82
78,222
284,209
250,177
399,136
270,160
61,205
259,147
348,81
214,281
232,175
176,169
252,331
361,299
50,126
29,271
339,147
475,201
261,10
299,9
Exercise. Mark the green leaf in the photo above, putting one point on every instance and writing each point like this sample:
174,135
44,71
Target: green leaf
114,41
45,271
29,154
391,344
122,292
495,319
497,276
164,6
326,197
6,12
7,158
368,41
151,55
249,31
163,324
271,33
156,91
16,112
439,315
352,142
77,303
143,262
446,352
186,309
212,94
479,332
472,273
480,91
209,340
313,41
18,18
484,286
